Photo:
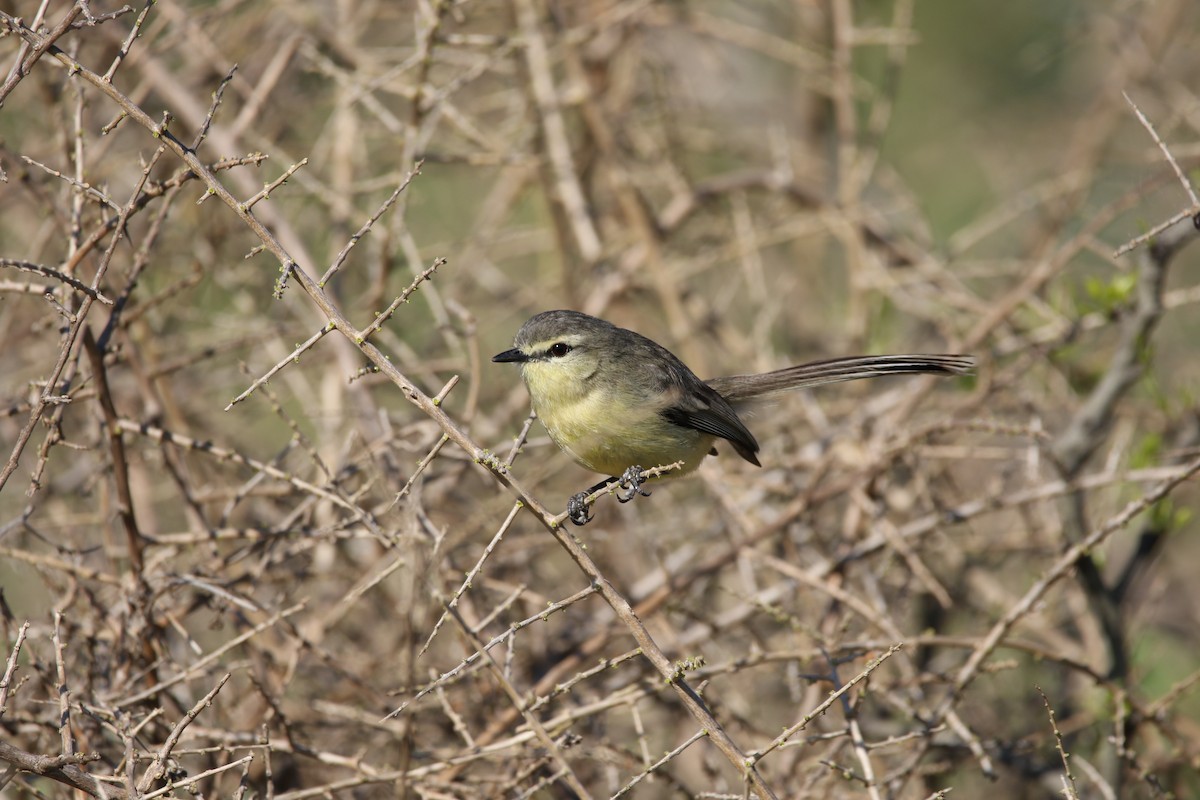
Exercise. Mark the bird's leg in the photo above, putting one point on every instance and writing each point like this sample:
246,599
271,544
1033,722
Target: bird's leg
578,510
631,482
629,486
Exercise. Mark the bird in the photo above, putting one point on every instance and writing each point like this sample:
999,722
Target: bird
617,401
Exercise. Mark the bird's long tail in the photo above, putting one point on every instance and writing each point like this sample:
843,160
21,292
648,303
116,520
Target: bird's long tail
836,370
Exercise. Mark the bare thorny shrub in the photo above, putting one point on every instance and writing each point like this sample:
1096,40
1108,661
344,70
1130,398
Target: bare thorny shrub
351,580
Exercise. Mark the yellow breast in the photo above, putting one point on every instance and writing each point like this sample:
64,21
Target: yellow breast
608,431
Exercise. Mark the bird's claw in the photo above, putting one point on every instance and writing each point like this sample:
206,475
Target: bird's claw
630,485
578,510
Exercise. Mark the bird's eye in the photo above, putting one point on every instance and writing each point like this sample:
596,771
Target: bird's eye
559,349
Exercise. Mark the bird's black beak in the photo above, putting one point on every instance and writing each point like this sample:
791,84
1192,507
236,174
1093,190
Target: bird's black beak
514,356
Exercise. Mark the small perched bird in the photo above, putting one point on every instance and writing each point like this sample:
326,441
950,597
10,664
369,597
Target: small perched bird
616,401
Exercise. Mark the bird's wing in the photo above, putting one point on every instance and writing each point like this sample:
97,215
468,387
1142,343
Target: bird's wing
710,413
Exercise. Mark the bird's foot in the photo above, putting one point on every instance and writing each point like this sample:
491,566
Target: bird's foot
630,485
578,510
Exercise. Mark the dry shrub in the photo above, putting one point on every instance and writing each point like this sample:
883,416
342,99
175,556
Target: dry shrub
349,582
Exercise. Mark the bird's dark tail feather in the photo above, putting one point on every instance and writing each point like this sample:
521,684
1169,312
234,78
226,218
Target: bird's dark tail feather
836,370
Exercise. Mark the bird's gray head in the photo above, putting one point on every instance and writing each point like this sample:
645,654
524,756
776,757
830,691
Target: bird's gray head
553,335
